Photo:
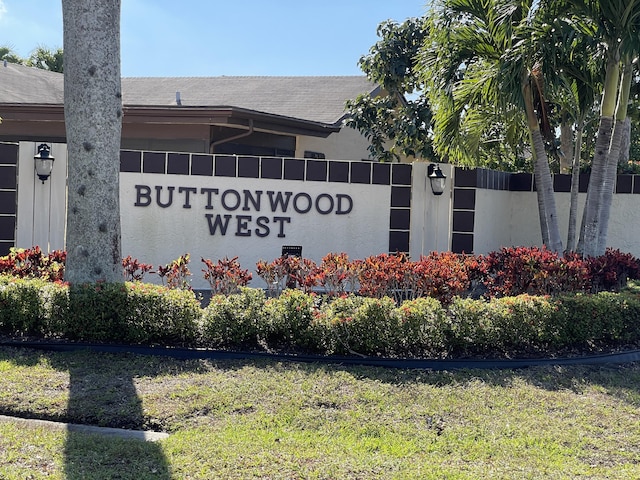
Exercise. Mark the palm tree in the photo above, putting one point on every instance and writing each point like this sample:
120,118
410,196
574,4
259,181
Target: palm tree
578,81
93,114
47,59
7,54
616,25
479,56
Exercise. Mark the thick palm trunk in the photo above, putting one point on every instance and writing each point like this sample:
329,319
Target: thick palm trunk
544,183
597,181
575,185
595,193
542,207
613,156
93,111
546,197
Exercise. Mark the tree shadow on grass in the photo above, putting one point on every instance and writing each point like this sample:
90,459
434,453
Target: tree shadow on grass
107,401
101,392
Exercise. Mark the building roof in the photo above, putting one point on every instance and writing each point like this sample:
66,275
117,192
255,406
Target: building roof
29,85
317,99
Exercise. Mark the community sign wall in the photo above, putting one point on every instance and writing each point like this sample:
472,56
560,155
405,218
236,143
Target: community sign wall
216,206
251,207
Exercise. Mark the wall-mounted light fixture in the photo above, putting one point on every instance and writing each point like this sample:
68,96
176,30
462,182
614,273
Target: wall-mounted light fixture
437,178
43,162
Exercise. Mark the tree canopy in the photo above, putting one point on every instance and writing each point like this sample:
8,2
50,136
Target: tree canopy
41,57
496,81
396,121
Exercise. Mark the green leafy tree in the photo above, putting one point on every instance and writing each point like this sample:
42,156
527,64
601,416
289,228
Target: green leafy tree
7,53
397,119
47,59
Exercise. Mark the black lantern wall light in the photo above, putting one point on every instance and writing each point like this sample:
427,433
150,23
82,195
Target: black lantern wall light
43,162
437,178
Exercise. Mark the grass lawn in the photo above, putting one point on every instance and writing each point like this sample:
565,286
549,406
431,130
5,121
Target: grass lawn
260,419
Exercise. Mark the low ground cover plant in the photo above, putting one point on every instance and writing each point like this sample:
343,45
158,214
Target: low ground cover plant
532,302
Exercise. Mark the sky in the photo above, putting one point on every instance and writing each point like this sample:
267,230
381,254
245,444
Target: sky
189,38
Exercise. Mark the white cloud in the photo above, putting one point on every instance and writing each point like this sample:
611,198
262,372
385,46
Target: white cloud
3,9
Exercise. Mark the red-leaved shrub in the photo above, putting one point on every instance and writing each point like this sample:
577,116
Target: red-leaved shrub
532,270
33,263
226,276
612,270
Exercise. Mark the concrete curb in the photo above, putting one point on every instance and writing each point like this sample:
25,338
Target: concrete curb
146,436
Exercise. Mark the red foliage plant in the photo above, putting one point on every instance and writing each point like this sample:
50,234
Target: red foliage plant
287,271
337,274
383,275
135,270
33,263
442,275
507,272
226,276
533,270
612,270
177,273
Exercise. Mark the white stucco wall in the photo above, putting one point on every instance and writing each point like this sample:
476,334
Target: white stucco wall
347,144
430,214
503,219
511,218
157,235
624,226
41,211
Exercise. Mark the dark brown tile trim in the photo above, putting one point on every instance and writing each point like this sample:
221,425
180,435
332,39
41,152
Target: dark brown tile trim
462,243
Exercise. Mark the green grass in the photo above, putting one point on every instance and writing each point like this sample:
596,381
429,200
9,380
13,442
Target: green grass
250,419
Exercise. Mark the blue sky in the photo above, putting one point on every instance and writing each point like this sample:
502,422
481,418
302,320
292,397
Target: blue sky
220,37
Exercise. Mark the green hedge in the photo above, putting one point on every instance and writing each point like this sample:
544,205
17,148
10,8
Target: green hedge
127,313
27,306
140,313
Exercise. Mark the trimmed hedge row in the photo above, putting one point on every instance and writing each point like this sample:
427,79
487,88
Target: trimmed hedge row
128,313
295,321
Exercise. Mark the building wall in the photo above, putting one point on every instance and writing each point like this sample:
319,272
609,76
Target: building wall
217,206
430,215
41,206
347,144
8,195
501,210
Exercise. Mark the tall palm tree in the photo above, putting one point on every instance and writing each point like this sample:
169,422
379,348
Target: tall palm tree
93,119
479,56
617,26
578,78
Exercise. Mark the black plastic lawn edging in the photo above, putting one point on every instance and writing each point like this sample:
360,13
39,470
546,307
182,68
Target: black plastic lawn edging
425,364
